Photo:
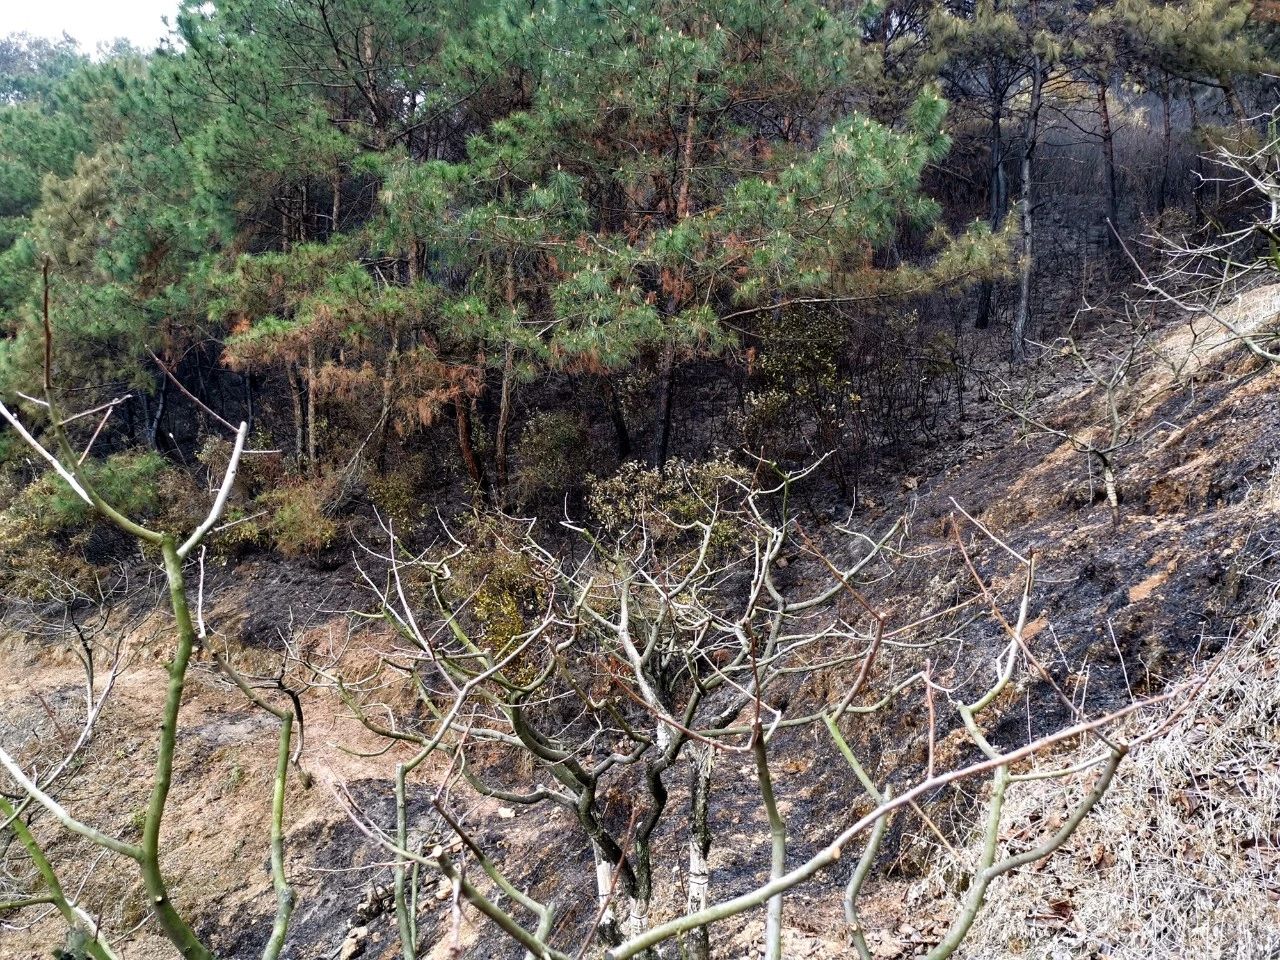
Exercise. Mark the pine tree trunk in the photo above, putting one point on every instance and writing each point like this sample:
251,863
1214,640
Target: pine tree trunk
616,414
1233,101
304,196
388,379
1026,207
299,421
153,426
667,370
501,434
1197,189
666,389
1162,194
312,462
997,200
336,186
1109,162
475,471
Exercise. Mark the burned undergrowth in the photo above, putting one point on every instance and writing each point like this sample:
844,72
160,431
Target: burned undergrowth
1117,610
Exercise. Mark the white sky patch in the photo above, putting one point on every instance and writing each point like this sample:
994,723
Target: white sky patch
90,22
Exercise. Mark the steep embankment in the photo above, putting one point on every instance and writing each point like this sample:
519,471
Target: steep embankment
1120,608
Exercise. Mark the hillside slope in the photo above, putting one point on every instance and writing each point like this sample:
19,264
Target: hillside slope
1120,609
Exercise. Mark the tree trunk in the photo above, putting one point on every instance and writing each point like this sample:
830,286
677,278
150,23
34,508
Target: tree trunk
501,439
304,197
248,399
1234,102
388,379
1110,487
667,370
153,427
666,388
616,414
778,845
608,927
701,760
500,436
1162,193
997,201
1109,163
1197,189
312,462
1026,207
475,472
638,919
336,186
299,422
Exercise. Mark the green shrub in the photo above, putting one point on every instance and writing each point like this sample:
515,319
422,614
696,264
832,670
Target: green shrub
128,481
256,473
498,584
46,528
552,458
298,516
243,529
665,504
394,495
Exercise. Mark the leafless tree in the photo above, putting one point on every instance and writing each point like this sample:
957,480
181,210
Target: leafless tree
1110,372
1203,272
633,662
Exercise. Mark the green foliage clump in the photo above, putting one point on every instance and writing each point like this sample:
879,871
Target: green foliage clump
256,473
799,379
496,584
129,481
299,521
243,530
667,505
553,457
394,494
46,529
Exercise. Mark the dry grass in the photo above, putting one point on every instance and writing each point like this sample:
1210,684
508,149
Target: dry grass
1182,858
1195,344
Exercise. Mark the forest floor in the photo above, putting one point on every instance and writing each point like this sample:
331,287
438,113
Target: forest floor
1182,581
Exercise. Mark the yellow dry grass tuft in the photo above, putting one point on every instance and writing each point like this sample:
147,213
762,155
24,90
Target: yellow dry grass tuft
1182,857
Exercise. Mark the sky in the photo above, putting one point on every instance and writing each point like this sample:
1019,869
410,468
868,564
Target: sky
90,22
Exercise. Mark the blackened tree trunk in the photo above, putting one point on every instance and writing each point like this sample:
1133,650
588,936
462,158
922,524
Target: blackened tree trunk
153,425
313,462
667,367
616,414
997,195
501,438
1166,107
1026,210
1109,161
666,389
299,418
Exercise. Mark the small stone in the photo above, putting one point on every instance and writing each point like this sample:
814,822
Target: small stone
506,813
353,946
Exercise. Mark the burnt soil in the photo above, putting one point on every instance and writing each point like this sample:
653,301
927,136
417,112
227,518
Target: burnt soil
1118,610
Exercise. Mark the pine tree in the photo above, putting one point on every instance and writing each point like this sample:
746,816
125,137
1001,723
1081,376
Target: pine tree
1009,55
725,173
1210,43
